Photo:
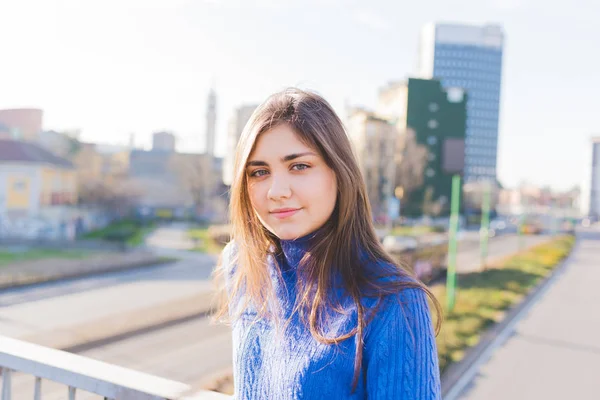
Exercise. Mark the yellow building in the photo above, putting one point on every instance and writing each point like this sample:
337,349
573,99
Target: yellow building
32,180
94,164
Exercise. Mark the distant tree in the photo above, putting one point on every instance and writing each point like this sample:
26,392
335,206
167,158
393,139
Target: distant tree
115,195
194,174
411,168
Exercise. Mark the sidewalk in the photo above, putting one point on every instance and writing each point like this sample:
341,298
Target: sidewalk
551,349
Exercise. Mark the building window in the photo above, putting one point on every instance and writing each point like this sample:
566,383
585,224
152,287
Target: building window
432,124
20,185
430,173
431,140
433,107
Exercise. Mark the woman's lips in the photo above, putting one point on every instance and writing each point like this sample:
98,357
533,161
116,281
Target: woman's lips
285,214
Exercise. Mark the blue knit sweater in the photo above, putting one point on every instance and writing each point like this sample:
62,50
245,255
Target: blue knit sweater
399,354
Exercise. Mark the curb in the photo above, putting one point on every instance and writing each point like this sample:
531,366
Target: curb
455,372
68,276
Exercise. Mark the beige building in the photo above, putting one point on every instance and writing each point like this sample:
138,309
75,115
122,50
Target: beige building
374,140
61,144
392,103
237,123
94,162
167,183
539,200
163,141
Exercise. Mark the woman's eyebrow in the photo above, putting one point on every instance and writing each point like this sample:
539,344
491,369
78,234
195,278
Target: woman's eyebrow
289,157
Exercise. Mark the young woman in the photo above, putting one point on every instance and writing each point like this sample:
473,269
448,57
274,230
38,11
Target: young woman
318,309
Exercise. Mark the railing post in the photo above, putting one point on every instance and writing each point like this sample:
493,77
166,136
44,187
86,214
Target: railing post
71,393
37,394
6,386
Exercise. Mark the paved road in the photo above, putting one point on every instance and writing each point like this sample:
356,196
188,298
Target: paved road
469,257
30,310
170,237
551,350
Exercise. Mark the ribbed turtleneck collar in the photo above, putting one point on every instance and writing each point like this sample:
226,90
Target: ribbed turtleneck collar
295,249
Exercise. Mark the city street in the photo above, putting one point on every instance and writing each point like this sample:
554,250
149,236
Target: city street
469,256
186,352
134,133
550,351
58,305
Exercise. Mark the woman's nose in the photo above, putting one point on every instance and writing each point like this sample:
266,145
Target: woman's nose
280,189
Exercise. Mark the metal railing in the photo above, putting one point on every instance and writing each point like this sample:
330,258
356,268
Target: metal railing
82,373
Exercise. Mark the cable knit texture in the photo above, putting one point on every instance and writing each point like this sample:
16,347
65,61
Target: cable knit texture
399,354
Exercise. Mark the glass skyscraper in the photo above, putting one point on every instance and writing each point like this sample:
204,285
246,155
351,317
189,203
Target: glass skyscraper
469,57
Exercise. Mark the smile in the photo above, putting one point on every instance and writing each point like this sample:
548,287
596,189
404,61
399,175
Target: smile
285,214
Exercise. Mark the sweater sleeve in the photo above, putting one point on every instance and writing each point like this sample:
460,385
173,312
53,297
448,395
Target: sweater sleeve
400,350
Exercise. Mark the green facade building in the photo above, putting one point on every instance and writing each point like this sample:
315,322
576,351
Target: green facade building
436,120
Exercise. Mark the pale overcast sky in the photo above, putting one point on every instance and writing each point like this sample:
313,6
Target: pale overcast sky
113,67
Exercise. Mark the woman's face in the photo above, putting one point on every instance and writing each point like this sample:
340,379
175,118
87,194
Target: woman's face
292,191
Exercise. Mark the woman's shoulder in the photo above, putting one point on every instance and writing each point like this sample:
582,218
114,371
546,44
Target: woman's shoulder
403,302
228,256
227,263
382,273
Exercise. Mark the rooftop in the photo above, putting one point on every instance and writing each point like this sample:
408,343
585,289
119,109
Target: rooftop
18,151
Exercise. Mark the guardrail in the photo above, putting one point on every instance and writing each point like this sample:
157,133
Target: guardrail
82,373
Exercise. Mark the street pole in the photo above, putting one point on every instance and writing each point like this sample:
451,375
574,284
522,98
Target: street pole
553,217
453,244
522,225
484,232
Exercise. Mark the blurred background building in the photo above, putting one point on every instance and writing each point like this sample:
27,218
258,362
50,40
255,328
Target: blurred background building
431,124
238,121
531,199
374,139
211,123
469,57
22,123
163,141
39,188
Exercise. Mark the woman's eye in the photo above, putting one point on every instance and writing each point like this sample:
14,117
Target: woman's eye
300,167
258,172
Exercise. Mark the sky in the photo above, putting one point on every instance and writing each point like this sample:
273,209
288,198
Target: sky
115,67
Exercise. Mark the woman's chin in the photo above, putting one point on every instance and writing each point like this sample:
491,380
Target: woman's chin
290,234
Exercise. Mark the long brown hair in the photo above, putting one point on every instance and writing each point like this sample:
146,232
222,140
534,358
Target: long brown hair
337,249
